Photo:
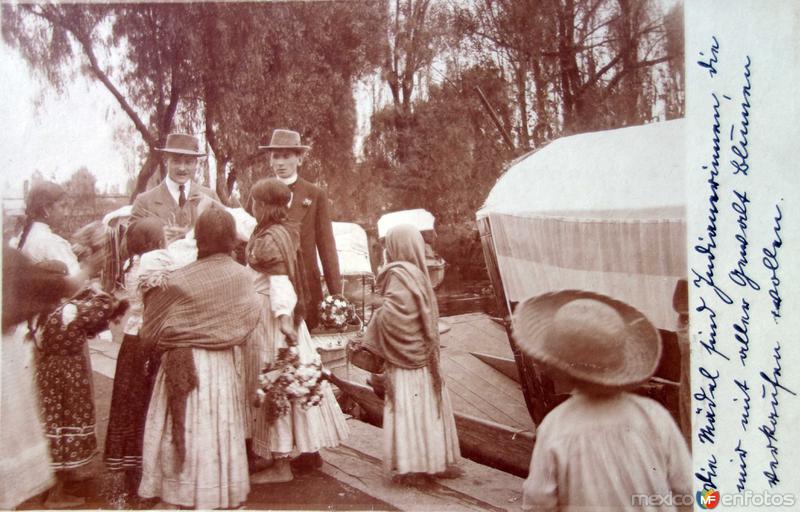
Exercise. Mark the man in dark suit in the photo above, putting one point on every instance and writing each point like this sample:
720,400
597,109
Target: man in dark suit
308,210
175,199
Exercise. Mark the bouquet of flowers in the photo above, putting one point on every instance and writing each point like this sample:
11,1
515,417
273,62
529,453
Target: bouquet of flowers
336,312
288,380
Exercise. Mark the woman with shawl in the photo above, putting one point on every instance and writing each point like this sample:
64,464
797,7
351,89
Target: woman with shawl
419,431
272,252
194,441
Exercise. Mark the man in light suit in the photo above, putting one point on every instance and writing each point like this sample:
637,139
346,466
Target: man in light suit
308,210
175,199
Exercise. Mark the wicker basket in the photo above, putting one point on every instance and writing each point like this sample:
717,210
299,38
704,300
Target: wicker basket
364,358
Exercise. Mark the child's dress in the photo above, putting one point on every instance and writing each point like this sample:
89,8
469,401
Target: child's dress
64,377
600,452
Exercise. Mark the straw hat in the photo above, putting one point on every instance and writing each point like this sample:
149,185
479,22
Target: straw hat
182,144
285,139
590,337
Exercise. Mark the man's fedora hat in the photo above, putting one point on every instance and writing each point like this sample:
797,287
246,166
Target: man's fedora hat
590,337
285,139
182,144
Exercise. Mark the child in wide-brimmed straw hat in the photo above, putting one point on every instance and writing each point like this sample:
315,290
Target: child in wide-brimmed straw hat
603,445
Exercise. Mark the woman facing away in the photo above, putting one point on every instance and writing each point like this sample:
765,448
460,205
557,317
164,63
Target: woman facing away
131,393
194,442
603,446
272,252
419,432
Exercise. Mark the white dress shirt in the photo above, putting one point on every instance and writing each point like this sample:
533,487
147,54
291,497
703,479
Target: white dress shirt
174,189
289,182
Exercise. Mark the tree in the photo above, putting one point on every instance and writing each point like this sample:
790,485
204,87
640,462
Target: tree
591,64
300,63
414,37
457,154
149,40
81,185
512,34
231,71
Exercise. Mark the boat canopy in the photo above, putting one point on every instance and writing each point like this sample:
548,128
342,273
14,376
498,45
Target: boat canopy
601,211
352,247
419,218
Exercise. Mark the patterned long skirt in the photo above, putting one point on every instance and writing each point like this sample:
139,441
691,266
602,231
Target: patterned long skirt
67,404
129,400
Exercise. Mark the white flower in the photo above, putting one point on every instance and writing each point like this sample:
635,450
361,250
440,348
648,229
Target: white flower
261,393
68,314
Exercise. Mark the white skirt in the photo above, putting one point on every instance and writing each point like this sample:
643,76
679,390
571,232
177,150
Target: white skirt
214,473
24,451
304,429
416,438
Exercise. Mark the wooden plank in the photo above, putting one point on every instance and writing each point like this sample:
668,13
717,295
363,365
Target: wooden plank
476,337
504,410
462,400
487,376
489,442
505,366
513,448
357,462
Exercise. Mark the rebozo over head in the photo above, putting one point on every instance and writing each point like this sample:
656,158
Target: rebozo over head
215,232
270,200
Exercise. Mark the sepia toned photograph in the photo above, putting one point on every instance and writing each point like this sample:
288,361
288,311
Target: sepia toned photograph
345,255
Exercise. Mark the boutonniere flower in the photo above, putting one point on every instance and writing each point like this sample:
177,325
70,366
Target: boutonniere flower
306,202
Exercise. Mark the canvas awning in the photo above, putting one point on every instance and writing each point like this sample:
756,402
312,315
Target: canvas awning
602,211
352,247
421,219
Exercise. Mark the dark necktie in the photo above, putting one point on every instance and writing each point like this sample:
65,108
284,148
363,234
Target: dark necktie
181,197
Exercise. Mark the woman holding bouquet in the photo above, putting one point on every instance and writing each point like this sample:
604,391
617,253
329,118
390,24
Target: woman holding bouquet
299,410
419,431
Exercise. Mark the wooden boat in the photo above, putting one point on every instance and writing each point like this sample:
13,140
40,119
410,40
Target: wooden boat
488,442
600,211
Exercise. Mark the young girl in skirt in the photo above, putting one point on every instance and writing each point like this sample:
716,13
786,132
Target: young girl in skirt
604,444
64,379
131,395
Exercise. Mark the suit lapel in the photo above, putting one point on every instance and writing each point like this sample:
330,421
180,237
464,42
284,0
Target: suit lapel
164,197
297,211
